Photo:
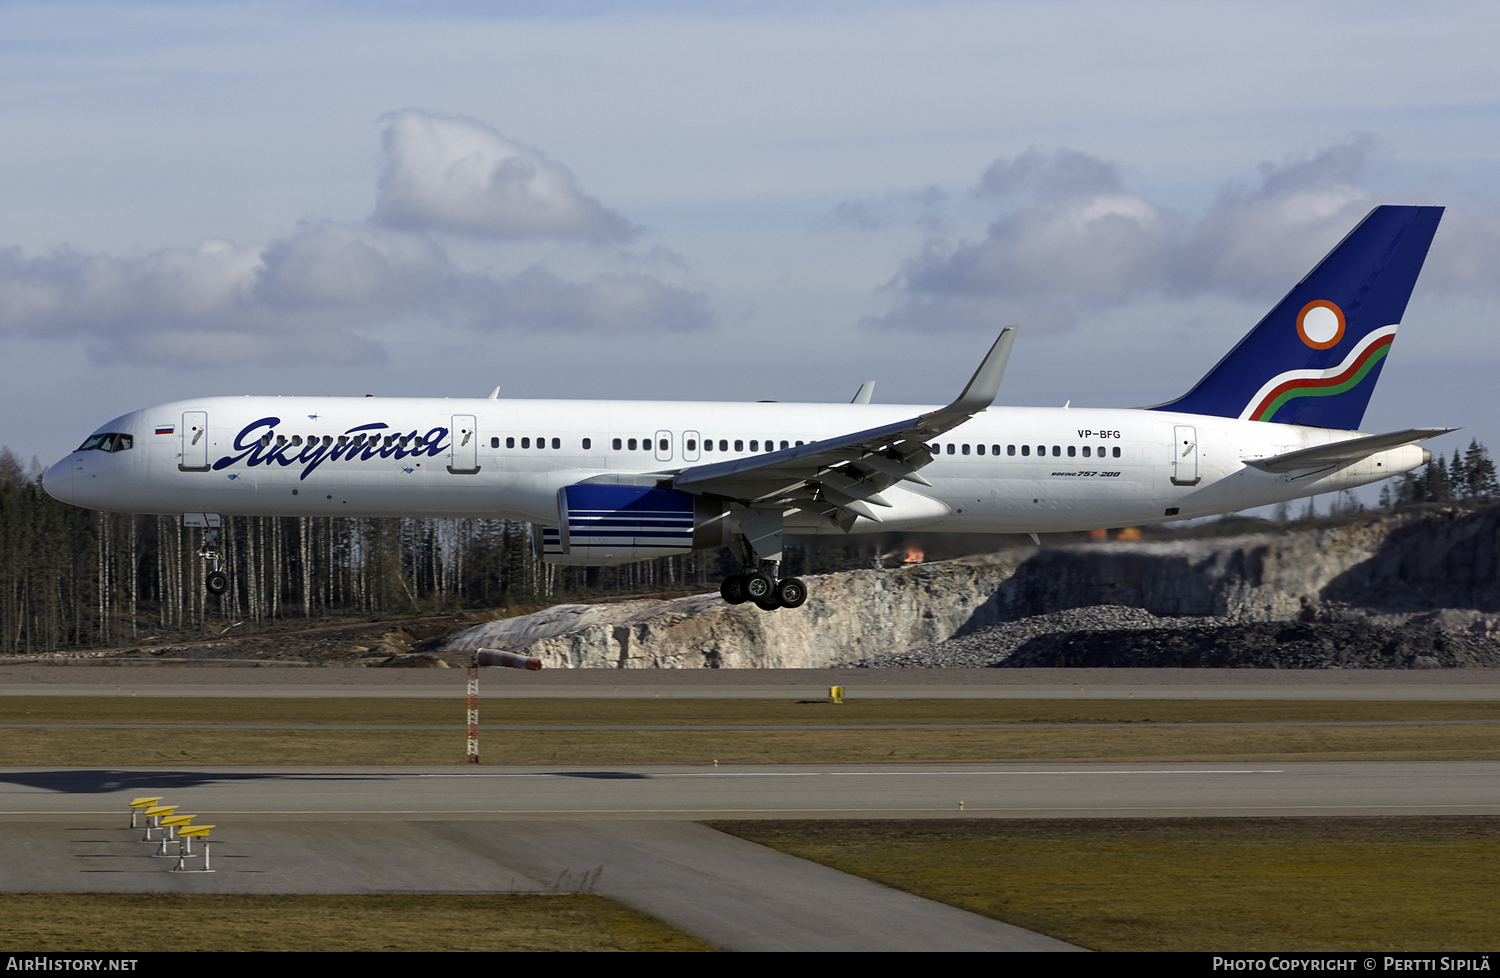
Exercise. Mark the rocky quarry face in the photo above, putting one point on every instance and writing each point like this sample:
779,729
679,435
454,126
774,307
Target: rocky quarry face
1407,590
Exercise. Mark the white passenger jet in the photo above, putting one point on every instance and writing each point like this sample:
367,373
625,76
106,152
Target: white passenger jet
607,482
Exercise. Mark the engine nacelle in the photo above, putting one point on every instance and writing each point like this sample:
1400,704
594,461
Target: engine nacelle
600,524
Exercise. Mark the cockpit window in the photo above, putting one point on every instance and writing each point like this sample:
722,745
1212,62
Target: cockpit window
108,442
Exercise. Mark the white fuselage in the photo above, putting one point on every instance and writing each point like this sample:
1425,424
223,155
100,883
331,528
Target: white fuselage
465,458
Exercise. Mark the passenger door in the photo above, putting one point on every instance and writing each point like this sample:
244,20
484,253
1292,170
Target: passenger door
194,442
464,458
1185,455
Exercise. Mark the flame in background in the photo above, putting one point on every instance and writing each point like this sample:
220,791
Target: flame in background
914,555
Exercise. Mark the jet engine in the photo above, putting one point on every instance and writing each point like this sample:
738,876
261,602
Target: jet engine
600,524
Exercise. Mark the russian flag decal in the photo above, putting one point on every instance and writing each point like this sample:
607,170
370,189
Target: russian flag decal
165,429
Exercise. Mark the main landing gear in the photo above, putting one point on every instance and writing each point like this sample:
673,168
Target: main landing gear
758,541
768,595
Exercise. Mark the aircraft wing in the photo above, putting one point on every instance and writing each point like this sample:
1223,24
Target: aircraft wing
841,478
1326,456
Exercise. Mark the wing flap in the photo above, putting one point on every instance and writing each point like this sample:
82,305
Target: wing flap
847,473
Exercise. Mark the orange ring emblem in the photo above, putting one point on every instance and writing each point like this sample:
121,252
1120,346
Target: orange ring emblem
1326,327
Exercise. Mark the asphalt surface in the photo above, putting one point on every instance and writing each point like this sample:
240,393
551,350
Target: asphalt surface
500,727
736,894
515,830
1259,684
685,793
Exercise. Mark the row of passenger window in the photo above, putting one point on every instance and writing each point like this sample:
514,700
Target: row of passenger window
1057,450
644,444
540,442
739,445
691,445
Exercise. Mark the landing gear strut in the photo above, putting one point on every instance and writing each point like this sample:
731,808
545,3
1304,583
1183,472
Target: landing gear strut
215,581
759,544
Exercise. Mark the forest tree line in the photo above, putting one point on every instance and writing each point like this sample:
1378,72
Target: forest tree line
1470,475
72,578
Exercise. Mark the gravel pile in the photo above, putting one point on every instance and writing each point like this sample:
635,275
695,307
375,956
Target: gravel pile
1265,645
1114,636
992,646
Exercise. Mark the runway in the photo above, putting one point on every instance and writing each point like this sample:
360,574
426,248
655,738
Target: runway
1213,684
773,791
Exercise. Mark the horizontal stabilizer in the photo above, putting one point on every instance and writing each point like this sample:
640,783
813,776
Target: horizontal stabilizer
1341,452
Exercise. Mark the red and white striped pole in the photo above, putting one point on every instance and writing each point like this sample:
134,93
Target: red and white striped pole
490,657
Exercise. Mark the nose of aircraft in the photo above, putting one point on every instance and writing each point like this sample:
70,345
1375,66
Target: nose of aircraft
59,481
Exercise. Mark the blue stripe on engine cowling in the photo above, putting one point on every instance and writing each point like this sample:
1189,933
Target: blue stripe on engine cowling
626,521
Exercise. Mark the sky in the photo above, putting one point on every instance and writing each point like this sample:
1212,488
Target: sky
735,201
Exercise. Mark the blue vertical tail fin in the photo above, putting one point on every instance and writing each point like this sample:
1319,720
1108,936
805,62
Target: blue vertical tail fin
1315,358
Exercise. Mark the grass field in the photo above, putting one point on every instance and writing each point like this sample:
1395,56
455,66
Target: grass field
1222,884
40,922
1144,739
209,746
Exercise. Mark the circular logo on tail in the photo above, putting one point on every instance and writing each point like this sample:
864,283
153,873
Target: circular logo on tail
1320,324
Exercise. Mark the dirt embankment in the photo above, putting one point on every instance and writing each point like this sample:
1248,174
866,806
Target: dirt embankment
1416,589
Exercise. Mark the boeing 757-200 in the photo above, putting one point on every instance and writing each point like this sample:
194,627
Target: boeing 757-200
606,482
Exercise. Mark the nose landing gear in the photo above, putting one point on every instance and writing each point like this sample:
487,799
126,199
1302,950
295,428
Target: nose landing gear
215,581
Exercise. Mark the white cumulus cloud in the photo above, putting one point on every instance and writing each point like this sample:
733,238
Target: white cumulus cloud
1261,236
308,295
311,294
1072,240
450,174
